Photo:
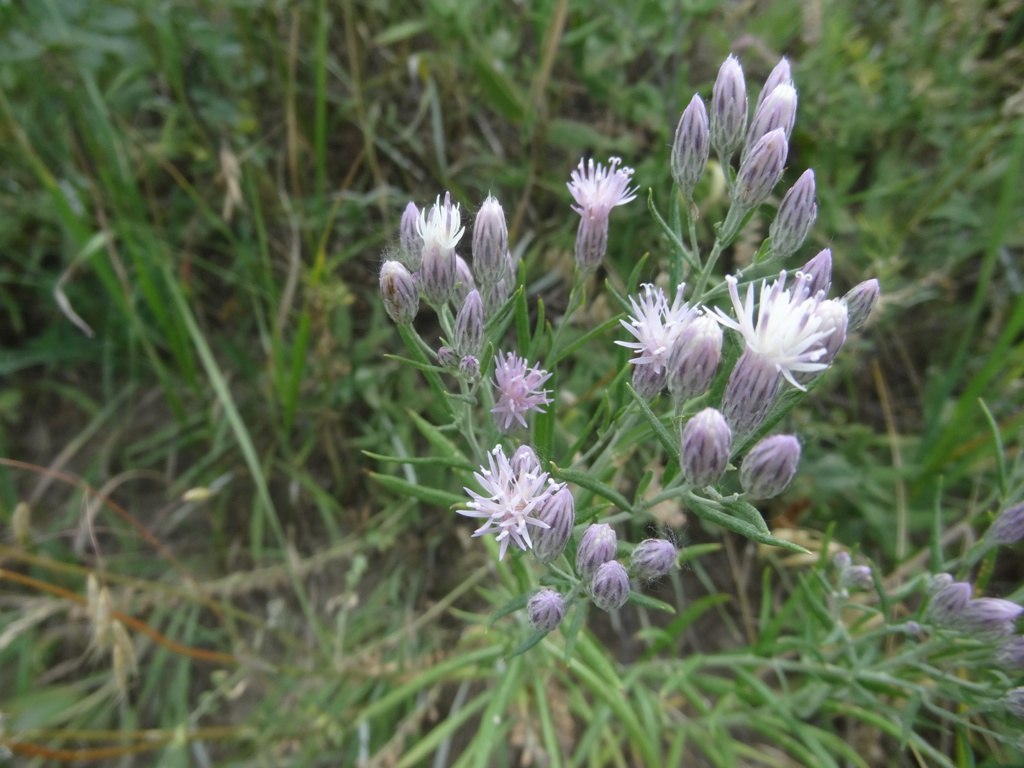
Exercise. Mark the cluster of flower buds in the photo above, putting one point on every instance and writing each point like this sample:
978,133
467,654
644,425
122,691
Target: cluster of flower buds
952,607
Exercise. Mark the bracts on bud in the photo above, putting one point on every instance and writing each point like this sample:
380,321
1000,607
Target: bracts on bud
545,610
761,170
410,244
490,243
694,358
705,447
690,148
819,270
398,292
860,300
597,546
728,108
652,559
749,393
609,588
469,326
769,467
795,218
559,512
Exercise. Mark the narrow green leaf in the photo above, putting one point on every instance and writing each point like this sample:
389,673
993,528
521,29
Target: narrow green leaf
592,484
433,496
670,444
428,461
649,602
437,439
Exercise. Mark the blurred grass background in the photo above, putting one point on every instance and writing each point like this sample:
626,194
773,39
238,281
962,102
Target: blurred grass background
195,197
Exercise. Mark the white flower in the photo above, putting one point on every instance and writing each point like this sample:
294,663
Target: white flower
656,325
510,500
597,189
441,225
788,330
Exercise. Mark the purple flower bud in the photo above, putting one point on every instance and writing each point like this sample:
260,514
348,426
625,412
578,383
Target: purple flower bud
769,466
490,242
610,586
447,358
780,75
525,460
690,148
1011,653
749,393
545,610
496,295
728,108
990,615
648,379
795,218
652,559
398,292
469,326
856,577
1014,701
834,316
463,281
469,367
704,453
438,274
842,560
597,546
694,358
559,511
410,244
1008,527
860,300
939,582
596,189
778,110
819,269
761,170
948,603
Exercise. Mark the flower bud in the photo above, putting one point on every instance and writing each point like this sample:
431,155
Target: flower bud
856,577
780,75
559,511
989,615
469,367
490,242
842,560
464,283
469,326
410,244
525,460
597,546
447,358
1008,527
648,380
704,453
690,148
749,393
1014,701
769,466
591,242
1011,654
778,110
947,603
860,301
545,610
694,358
398,292
761,170
795,218
610,587
496,295
819,270
728,108
652,559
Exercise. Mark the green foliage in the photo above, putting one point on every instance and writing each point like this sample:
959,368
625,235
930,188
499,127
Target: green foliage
197,406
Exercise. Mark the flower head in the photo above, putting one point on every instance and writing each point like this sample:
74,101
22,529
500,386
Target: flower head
510,501
788,329
597,189
656,325
519,390
442,224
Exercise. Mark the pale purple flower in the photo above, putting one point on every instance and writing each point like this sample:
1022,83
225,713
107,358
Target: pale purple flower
596,190
519,390
788,329
656,325
510,501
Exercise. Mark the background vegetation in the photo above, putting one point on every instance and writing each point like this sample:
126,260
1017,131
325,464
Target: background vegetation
195,198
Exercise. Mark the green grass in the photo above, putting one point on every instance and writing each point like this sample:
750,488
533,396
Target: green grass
211,186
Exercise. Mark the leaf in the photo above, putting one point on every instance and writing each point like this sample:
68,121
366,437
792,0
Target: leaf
592,484
437,439
704,511
429,461
527,644
670,445
649,602
433,496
